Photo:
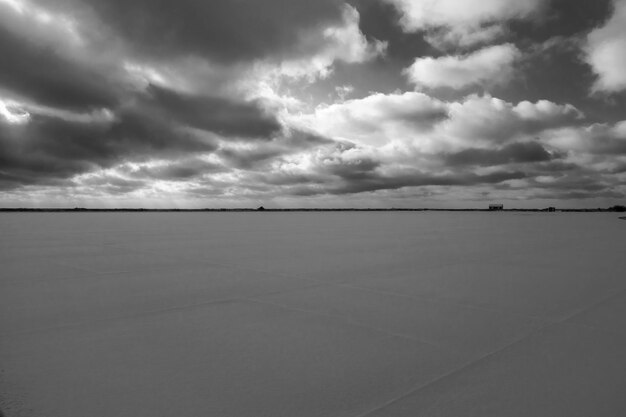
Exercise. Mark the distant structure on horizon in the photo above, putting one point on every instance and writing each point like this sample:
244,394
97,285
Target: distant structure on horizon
495,207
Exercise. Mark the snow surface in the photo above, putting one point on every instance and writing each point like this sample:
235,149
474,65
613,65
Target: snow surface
312,314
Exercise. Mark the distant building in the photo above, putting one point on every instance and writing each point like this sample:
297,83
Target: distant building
495,207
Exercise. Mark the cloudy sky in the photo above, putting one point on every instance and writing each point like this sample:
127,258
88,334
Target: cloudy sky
300,103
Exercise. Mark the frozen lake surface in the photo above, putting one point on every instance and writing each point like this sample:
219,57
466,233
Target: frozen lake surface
312,314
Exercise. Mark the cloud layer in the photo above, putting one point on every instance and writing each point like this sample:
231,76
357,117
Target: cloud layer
300,103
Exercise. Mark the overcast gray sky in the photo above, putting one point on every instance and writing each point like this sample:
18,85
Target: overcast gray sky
300,103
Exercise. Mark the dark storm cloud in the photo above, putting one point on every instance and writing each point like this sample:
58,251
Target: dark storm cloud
339,170
579,183
223,30
177,170
556,166
41,73
579,195
25,160
621,168
115,185
255,157
137,132
368,181
288,179
355,171
223,116
50,148
249,159
393,183
563,18
513,153
582,181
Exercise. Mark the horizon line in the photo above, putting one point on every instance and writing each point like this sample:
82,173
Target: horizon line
615,208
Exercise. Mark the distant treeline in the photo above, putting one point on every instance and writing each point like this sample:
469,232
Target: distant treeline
618,208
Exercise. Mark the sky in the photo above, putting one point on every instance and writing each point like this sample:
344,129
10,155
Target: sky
300,103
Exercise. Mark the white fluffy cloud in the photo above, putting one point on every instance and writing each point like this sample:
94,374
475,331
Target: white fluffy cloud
424,13
415,122
462,22
493,64
374,119
481,120
597,138
606,51
344,42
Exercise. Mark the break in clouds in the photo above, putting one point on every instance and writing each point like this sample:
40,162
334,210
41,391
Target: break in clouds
312,103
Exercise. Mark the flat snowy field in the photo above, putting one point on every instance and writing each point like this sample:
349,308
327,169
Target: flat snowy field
312,314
